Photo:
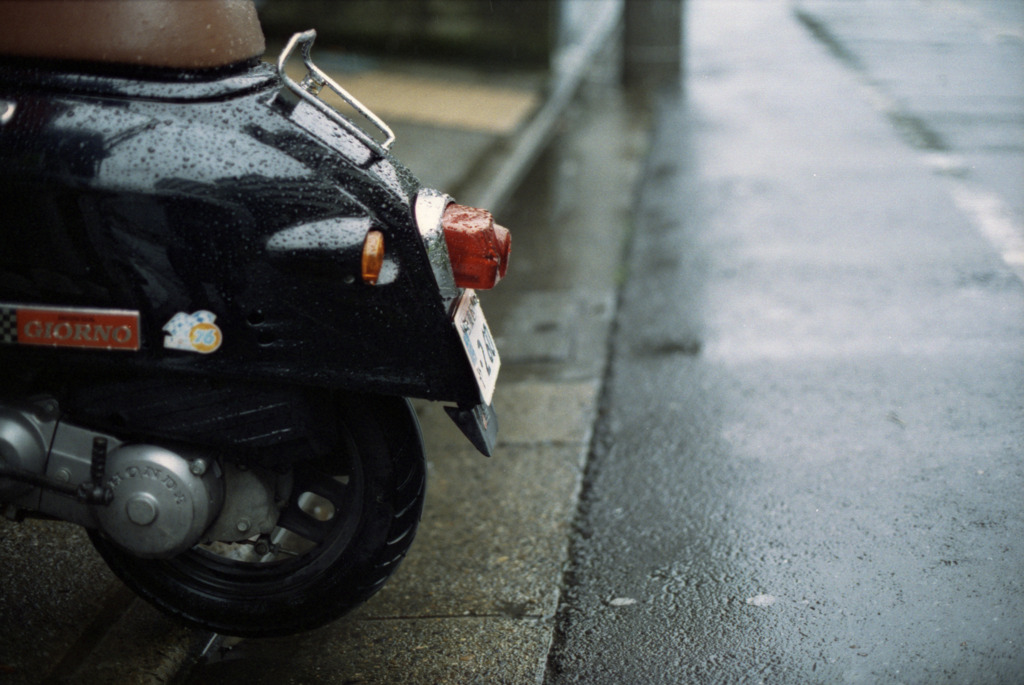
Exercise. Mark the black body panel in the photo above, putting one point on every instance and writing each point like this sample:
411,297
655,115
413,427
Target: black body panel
226,195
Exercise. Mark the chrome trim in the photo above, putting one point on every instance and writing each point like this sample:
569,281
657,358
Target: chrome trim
428,210
310,86
6,111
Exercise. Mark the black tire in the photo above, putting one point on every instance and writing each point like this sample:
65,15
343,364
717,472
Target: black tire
375,487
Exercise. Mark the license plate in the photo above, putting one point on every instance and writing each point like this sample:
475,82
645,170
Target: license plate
479,343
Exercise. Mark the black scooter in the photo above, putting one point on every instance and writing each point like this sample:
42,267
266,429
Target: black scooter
216,295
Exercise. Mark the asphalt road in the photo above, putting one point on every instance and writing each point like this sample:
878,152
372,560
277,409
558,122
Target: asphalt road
808,463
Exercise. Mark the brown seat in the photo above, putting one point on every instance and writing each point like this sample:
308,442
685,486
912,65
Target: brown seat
186,34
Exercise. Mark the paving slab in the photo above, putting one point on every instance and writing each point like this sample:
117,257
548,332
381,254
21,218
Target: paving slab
142,646
492,538
439,651
54,585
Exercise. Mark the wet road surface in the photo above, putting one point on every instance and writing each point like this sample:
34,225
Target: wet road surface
808,463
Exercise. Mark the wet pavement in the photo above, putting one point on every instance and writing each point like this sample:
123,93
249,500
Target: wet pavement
800,460
808,463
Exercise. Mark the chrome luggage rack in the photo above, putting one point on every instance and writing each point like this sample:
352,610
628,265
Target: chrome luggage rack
309,90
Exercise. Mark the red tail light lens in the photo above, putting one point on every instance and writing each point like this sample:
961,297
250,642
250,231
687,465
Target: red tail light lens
477,246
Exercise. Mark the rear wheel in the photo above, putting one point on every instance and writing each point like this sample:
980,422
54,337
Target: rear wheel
348,521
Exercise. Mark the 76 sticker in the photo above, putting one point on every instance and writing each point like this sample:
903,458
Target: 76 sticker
194,332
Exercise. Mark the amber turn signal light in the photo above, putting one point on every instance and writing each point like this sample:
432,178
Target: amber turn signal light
373,256
478,247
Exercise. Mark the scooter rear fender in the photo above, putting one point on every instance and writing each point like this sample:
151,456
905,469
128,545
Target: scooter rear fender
222,202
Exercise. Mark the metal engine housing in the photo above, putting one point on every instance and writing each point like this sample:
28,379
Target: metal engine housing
24,443
162,501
